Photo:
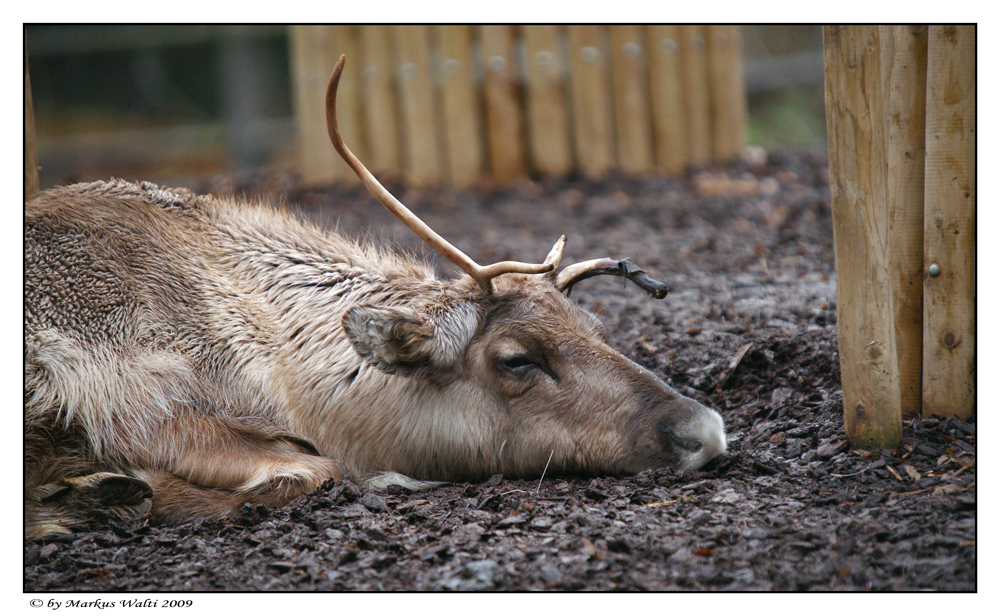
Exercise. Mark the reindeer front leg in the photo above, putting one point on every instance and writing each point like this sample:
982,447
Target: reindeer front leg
210,466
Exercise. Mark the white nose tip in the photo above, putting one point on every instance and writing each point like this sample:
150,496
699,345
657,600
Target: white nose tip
715,441
707,429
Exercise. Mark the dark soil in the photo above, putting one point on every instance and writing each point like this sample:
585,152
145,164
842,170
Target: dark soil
749,328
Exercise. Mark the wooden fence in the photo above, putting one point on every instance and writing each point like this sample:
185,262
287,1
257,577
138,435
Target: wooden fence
30,155
901,120
451,104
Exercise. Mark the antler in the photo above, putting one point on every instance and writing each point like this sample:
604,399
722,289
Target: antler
482,275
597,267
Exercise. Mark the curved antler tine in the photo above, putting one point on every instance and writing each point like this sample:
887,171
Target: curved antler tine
555,255
482,275
493,270
573,274
378,191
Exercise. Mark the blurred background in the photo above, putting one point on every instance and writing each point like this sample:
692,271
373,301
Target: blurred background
157,101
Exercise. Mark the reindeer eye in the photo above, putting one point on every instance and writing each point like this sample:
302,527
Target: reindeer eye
522,365
516,362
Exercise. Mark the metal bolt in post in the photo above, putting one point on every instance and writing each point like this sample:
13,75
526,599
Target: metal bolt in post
450,66
497,64
544,58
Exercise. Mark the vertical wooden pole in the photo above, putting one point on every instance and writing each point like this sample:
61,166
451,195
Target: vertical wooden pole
695,80
316,157
667,98
463,145
503,111
867,337
950,223
315,50
344,40
30,155
904,77
548,126
591,100
631,103
416,96
379,100
727,96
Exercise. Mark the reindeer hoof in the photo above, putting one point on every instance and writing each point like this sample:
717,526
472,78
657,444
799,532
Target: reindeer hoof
121,490
83,502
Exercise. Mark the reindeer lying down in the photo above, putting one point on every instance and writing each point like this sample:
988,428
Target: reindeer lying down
185,355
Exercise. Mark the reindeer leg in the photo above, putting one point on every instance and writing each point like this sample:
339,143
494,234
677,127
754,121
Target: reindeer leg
177,500
210,466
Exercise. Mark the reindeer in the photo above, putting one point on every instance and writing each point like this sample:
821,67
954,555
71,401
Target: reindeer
185,355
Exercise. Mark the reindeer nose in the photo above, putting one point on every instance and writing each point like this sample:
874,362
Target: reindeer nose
695,442
667,435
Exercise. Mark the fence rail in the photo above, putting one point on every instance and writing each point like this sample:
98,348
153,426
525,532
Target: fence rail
451,104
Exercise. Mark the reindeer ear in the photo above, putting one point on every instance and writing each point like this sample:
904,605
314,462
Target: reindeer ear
390,338
403,339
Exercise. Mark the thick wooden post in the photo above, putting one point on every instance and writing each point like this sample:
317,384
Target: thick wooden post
344,40
667,98
315,52
463,145
503,112
416,101
548,125
591,99
950,223
316,155
379,100
727,95
631,102
694,60
866,329
30,155
904,75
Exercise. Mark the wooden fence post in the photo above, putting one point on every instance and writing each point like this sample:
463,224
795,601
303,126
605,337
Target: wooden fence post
667,98
591,100
548,124
950,223
30,155
503,112
904,75
416,102
344,40
726,93
865,325
631,102
462,121
315,161
315,52
379,100
694,76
